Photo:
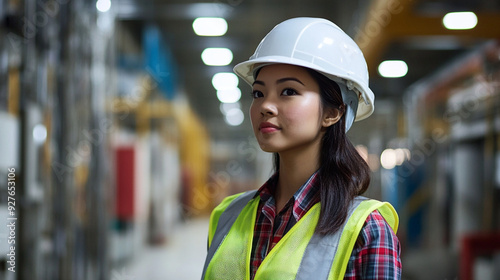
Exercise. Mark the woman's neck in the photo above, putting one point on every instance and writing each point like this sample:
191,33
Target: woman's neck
294,170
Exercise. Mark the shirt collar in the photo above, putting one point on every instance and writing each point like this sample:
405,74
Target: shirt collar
266,191
303,199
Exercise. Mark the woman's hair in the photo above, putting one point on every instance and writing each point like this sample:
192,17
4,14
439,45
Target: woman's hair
343,173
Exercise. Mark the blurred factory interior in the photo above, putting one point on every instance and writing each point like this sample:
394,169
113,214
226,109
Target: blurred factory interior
117,137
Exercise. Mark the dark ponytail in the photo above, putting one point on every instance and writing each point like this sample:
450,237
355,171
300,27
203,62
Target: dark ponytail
343,173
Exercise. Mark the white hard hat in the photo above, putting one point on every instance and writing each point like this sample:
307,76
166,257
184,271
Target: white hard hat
320,45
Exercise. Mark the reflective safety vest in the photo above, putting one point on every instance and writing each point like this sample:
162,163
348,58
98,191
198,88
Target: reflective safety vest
300,254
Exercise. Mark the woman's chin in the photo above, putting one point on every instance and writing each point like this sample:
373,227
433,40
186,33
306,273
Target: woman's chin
268,148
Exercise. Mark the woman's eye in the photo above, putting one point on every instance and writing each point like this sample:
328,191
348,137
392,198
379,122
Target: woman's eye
288,92
256,94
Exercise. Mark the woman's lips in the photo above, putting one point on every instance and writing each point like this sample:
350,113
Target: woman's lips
267,127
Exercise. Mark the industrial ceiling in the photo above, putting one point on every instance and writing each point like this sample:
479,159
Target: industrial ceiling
408,30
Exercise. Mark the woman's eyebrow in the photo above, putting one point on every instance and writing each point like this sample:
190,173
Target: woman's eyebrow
282,80
258,82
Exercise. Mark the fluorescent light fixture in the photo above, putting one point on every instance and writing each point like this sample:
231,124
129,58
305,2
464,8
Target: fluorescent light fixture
225,80
402,155
225,107
103,5
393,68
39,133
210,26
217,56
460,20
229,95
235,117
391,158
388,159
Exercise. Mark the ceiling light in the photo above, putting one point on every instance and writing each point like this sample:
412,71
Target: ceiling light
225,107
235,117
402,155
39,133
460,20
225,80
210,26
229,95
393,68
217,56
103,5
388,159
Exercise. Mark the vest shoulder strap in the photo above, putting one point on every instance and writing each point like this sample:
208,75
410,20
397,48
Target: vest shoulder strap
321,250
226,220
352,229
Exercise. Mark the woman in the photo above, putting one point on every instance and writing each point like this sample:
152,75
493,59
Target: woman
308,220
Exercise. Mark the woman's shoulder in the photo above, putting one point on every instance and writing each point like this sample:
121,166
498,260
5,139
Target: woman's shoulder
221,207
376,254
217,212
226,201
377,230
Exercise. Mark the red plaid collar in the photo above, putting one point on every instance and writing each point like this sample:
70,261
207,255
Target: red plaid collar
303,199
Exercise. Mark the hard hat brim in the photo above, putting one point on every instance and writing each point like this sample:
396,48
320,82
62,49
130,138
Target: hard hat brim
246,71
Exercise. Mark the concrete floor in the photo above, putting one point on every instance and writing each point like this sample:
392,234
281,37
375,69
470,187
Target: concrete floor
180,258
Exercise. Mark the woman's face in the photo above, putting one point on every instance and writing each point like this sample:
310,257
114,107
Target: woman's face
286,110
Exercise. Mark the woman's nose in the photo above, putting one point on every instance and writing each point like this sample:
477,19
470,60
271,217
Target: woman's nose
268,108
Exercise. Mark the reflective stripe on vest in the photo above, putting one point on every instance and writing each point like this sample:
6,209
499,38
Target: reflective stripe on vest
321,250
224,224
301,253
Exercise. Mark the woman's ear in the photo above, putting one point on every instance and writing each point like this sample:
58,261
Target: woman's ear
331,117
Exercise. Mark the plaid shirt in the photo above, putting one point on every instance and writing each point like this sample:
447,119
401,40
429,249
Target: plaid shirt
375,255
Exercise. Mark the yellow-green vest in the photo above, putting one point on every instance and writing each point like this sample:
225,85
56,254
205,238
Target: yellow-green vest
230,259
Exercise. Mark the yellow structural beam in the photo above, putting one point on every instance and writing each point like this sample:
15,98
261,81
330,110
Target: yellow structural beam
14,91
374,35
391,20
414,25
